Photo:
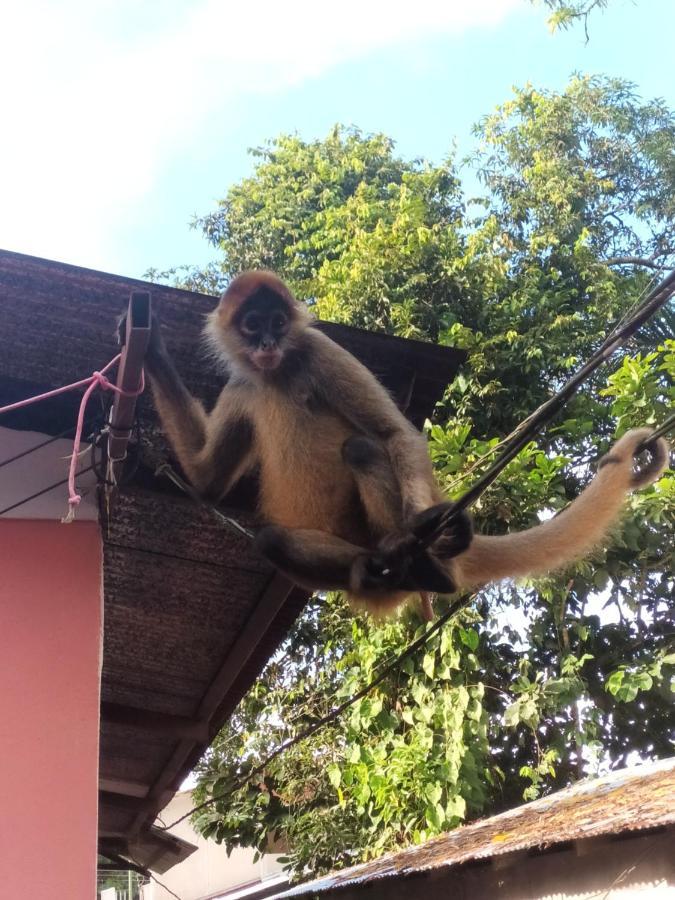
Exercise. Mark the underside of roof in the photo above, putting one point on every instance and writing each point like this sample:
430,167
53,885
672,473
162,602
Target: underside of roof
191,612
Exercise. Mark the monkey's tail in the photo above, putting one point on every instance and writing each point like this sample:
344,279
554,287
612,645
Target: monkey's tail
571,534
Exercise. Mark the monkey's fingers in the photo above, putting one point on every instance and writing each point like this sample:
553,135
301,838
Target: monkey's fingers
455,538
445,540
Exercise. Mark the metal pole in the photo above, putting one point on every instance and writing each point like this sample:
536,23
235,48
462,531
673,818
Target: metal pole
129,374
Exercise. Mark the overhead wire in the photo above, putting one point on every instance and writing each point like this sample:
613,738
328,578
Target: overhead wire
334,713
427,533
229,523
662,430
36,447
514,443
45,490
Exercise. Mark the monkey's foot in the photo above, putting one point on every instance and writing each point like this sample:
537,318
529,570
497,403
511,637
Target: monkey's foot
455,537
400,564
395,571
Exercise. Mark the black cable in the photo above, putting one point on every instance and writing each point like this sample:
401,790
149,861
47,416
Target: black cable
227,521
334,713
56,437
89,430
664,428
43,491
426,534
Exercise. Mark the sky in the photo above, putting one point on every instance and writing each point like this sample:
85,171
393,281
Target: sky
122,119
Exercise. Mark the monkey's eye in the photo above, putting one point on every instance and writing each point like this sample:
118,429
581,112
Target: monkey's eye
251,323
279,321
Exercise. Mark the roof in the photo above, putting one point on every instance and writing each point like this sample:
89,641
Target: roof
191,613
629,800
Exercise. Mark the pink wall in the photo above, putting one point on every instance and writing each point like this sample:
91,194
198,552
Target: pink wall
50,644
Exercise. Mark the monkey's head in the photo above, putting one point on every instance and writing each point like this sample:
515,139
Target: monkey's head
257,321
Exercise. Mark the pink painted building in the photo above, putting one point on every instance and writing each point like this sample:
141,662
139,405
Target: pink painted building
50,627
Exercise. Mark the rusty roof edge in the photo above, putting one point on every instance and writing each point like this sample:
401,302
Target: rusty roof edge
384,868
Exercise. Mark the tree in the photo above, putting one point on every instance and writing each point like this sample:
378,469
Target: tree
535,684
565,13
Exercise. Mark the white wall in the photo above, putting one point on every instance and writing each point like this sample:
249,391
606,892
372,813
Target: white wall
209,871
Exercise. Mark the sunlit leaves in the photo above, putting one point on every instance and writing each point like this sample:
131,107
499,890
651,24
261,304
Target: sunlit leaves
543,681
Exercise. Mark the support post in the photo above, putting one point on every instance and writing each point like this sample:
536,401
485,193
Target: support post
129,373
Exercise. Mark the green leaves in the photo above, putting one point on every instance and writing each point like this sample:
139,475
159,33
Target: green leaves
542,681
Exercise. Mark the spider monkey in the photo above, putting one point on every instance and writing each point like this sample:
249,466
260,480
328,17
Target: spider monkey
343,475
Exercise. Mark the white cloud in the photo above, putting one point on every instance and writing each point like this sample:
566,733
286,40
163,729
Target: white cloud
98,97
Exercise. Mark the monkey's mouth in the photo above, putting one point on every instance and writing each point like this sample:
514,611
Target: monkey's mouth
266,359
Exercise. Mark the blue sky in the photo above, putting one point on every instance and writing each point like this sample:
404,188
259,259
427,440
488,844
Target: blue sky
122,118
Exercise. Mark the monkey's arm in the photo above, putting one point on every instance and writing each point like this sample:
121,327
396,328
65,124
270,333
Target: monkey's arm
213,449
354,393
569,535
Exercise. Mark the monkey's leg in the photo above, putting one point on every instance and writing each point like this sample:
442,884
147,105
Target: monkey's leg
395,563
376,483
382,500
313,559
320,561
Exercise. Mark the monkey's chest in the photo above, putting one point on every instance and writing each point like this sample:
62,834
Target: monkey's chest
304,482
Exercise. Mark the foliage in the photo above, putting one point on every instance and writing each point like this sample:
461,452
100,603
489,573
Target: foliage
565,13
538,683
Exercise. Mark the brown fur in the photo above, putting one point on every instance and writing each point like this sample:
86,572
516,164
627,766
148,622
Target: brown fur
341,469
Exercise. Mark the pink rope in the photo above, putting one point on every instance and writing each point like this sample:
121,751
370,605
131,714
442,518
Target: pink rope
96,379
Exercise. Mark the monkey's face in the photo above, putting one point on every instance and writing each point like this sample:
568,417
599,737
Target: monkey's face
263,324
257,323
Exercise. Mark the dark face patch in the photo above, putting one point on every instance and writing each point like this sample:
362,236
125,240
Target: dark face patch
263,319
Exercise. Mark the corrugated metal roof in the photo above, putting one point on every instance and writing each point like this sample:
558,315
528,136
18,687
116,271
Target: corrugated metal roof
628,800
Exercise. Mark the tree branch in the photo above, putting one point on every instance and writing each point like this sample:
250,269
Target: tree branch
633,261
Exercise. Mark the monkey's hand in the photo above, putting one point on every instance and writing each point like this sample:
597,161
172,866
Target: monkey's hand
455,537
398,562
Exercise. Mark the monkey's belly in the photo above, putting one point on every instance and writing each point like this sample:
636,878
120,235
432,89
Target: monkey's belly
304,482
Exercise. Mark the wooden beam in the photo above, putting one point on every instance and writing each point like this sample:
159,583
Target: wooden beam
160,723
257,625
114,840
127,788
121,801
